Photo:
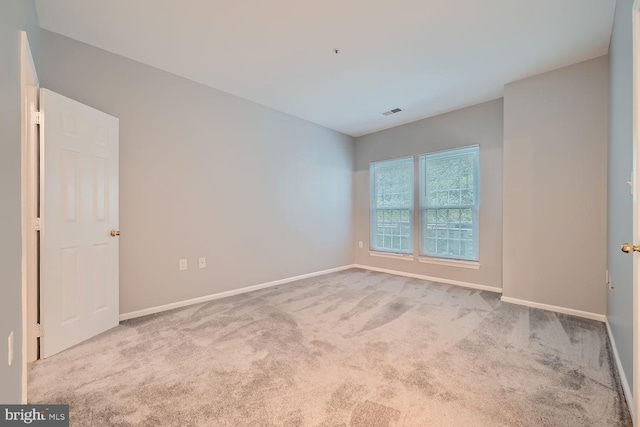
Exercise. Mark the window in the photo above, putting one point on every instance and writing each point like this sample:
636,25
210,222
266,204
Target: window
449,204
392,205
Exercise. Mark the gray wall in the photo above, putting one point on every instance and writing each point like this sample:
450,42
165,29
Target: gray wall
555,172
15,15
619,203
263,195
480,124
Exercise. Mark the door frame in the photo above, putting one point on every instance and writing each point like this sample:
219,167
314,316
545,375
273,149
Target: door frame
29,206
635,410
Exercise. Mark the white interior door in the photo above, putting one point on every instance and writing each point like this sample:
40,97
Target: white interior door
79,211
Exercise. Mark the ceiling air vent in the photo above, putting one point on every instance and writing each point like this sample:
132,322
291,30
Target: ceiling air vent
390,112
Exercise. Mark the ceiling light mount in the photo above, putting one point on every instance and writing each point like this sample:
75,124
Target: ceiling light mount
336,50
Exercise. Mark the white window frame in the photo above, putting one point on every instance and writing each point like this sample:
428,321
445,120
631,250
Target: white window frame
374,209
475,208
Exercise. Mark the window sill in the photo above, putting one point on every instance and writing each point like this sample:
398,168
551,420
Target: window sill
474,265
403,257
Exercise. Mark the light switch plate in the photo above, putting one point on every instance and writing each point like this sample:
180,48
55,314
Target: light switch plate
202,262
183,264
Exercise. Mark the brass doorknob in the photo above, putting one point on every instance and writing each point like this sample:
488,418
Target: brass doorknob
114,233
628,248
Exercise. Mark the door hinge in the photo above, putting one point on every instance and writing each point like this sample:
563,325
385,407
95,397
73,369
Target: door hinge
37,224
39,330
38,117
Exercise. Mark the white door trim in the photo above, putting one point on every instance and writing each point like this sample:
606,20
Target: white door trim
635,409
29,195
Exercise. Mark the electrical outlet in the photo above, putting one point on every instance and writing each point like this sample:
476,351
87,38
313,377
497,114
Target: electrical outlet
202,262
360,245
10,348
183,264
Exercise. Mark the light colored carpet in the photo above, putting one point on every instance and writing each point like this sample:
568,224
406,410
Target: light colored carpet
352,348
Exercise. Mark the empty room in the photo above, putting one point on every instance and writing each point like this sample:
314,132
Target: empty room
336,213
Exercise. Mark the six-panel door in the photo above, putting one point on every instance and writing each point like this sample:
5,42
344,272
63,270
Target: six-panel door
79,208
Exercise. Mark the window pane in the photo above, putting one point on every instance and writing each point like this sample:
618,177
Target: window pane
392,205
431,216
448,189
467,197
466,216
450,177
454,197
393,183
393,232
431,245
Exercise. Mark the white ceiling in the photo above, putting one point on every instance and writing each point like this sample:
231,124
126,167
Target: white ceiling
424,56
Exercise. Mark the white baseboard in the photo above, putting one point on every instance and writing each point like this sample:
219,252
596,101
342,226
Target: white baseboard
628,395
431,279
557,309
184,303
